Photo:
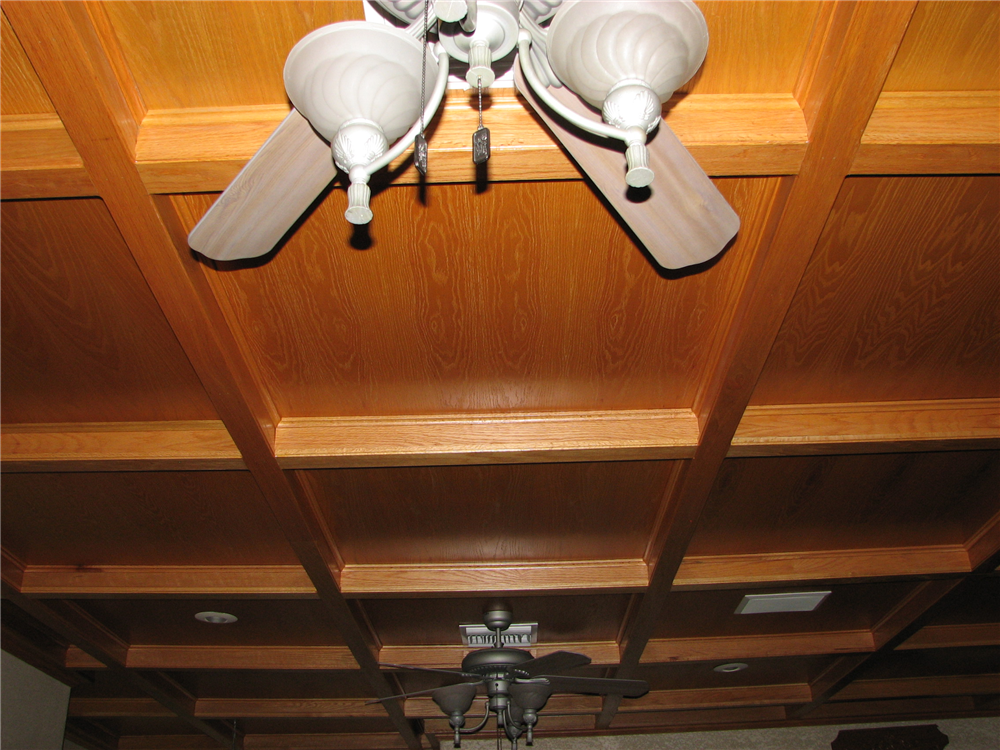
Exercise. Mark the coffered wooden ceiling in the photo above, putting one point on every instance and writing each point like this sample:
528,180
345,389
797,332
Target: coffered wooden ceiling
357,441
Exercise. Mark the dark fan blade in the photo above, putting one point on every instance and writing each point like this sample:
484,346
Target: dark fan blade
452,672
598,685
684,220
268,195
557,661
410,695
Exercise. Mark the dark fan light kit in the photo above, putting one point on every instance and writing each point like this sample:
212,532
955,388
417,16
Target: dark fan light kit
517,685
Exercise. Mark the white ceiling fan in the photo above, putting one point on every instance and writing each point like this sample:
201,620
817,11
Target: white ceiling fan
357,86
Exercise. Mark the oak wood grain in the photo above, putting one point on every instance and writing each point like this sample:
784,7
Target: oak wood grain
949,47
953,636
39,160
919,285
83,339
891,426
23,93
756,646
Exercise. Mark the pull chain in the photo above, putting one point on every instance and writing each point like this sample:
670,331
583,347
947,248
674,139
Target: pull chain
481,138
420,143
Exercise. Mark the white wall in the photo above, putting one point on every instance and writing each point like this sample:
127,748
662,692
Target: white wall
32,707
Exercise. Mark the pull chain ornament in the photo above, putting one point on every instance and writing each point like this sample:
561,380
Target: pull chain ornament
481,138
420,142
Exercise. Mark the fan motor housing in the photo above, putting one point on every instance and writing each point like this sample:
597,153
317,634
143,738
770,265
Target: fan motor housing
495,660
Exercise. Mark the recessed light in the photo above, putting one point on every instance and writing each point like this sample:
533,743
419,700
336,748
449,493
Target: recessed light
216,618
736,666
800,601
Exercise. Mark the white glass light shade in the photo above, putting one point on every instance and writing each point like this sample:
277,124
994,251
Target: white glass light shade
595,47
357,71
405,10
540,10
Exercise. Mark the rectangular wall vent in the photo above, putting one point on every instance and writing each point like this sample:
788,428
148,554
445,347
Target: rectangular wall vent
803,601
518,634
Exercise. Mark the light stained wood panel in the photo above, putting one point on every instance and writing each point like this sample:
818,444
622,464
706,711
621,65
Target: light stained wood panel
520,512
523,297
83,337
848,502
561,619
216,54
754,47
901,299
260,622
705,614
949,46
142,518
23,93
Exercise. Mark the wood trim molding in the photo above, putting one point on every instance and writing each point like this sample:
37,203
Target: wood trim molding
984,543
39,160
931,132
668,650
194,150
11,569
128,446
602,653
790,430
223,657
775,567
953,636
486,438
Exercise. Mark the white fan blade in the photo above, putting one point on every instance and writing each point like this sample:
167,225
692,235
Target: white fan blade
684,221
268,195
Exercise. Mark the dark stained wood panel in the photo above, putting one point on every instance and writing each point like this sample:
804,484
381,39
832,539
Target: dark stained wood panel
701,675
848,502
216,54
901,300
261,622
949,46
22,91
143,518
521,512
523,297
560,619
266,684
83,337
698,614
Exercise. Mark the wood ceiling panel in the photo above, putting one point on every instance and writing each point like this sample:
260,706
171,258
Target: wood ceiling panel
901,299
700,614
22,91
519,512
522,297
756,47
848,502
262,622
949,46
264,684
701,675
83,337
561,619
143,518
216,54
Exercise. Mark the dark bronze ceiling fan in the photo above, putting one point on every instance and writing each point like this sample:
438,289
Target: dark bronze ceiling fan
517,684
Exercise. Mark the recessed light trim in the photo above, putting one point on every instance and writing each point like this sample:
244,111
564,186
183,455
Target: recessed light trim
735,666
798,601
216,618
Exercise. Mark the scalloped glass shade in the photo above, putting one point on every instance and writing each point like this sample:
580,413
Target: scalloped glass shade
594,46
405,10
357,70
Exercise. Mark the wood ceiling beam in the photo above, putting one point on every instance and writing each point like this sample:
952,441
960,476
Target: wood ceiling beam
75,625
885,427
119,446
39,160
729,648
911,687
73,49
697,572
953,636
224,657
845,66
931,132
16,644
503,437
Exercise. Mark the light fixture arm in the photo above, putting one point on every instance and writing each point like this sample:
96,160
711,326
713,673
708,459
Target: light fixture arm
639,174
